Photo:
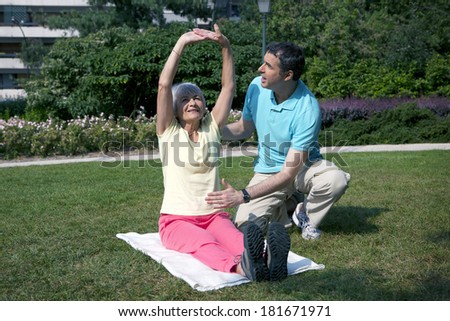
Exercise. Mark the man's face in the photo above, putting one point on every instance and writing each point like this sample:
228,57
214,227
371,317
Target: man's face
270,71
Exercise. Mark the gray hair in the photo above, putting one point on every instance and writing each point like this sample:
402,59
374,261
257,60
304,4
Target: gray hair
186,89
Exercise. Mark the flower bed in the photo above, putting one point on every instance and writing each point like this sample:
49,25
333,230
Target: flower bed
19,137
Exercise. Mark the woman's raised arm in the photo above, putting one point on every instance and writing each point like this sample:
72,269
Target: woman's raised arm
223,104
164,103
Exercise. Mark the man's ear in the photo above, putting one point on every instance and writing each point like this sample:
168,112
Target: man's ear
289,75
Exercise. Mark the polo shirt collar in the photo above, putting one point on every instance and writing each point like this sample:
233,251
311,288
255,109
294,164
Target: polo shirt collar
288,104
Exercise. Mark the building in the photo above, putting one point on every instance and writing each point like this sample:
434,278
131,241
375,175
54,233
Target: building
17,26
228,8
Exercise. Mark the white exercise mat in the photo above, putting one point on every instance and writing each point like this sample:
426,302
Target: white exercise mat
199,276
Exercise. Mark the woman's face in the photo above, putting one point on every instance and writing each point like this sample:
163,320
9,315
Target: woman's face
190,108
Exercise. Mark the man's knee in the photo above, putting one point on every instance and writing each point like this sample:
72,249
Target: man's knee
262,221
338,181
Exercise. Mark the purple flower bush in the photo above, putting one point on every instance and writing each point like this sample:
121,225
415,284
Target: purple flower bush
407,121
359,108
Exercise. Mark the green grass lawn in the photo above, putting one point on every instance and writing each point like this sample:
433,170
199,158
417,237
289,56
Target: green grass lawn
386,239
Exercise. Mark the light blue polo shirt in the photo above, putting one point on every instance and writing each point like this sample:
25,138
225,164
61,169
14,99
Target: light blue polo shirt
295,123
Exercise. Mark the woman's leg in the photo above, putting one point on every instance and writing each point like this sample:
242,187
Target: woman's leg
226,233
187,234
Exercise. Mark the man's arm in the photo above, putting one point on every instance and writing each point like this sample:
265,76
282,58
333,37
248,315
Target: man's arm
230,197
238,130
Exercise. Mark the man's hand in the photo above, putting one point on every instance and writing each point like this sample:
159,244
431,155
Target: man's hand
228,197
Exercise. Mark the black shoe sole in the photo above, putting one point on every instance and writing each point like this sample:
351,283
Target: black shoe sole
278,246
252,261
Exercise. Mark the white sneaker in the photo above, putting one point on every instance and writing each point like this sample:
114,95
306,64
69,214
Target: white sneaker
300,219
311,233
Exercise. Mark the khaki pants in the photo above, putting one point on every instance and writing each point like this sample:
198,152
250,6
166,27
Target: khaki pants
322,182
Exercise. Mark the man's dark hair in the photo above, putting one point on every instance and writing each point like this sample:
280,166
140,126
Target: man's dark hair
291,56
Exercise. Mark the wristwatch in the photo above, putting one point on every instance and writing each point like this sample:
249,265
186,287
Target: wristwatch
245,195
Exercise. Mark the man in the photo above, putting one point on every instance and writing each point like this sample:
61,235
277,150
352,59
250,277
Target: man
287,118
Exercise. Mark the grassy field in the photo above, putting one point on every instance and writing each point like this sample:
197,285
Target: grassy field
386,239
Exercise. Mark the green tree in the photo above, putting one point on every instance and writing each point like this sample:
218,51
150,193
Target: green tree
438,74
86,22
32,53
94,74
189,8
136,14
133,13
371,48
116,71
397,40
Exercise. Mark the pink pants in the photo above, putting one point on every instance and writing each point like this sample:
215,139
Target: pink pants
212,239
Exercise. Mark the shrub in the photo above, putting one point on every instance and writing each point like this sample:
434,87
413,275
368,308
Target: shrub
17,138
20,137
438,74
407,123
9,108
359,109
45,141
